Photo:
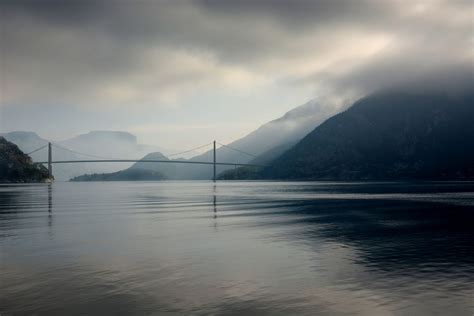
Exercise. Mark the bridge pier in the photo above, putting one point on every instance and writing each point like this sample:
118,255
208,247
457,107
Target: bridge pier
214,165
50,159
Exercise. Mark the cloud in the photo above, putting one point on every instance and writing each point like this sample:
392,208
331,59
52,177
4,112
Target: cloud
104,53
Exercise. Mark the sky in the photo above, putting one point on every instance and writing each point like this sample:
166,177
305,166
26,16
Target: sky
181,73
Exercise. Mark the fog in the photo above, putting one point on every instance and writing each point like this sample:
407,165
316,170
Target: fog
181,73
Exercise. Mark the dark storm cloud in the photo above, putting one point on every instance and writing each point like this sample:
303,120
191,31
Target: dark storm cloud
81,51
59,11
235,31
300,13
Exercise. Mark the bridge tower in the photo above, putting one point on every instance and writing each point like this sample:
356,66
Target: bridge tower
214,164
50,159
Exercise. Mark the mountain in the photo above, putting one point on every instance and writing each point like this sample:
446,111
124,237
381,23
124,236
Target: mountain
271,154
115,144
270,139
267,142
27,141
254,172
15,166
388,135
30,141
103,144
108,144
289,128
139,171
168,170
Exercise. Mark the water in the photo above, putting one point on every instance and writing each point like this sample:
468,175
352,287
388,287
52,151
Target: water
238,248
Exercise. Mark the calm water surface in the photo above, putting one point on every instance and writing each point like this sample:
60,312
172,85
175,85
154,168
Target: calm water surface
140,248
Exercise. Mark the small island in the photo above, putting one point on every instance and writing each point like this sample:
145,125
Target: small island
123,175
17,167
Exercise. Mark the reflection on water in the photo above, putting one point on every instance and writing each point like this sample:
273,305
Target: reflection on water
237,248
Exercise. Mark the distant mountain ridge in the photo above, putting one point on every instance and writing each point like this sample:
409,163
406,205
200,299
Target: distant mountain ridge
267,143
117,144
289,128
107,144
268,140
393,134
139,171
25,140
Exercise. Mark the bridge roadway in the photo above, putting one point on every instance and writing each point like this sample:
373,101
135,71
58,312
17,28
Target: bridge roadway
146,160
214,163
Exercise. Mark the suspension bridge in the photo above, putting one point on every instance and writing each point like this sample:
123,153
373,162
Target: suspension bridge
99,159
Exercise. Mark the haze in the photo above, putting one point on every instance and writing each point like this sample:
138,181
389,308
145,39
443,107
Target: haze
182,73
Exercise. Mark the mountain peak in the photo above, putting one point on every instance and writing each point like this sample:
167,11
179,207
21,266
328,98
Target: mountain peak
309,109
155,156
117,135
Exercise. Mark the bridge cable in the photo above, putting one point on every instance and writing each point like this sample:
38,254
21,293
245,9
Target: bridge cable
175,154
238,150
187,151
79,153
37,149
108,158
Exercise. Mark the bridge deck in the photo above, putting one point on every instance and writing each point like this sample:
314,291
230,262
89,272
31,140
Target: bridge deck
159,161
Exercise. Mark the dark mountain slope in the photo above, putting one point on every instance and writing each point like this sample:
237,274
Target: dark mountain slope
251,172
267,140
15,166
390,135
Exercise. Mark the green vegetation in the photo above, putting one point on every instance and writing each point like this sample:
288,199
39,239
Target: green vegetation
15,166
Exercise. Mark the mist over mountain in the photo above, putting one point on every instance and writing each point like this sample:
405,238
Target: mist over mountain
289,128
26,141
108,143
267,143
105,144
395,134
416,131
139,171
167,170
271,139
114,144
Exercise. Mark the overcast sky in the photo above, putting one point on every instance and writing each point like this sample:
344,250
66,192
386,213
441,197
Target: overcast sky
182,73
